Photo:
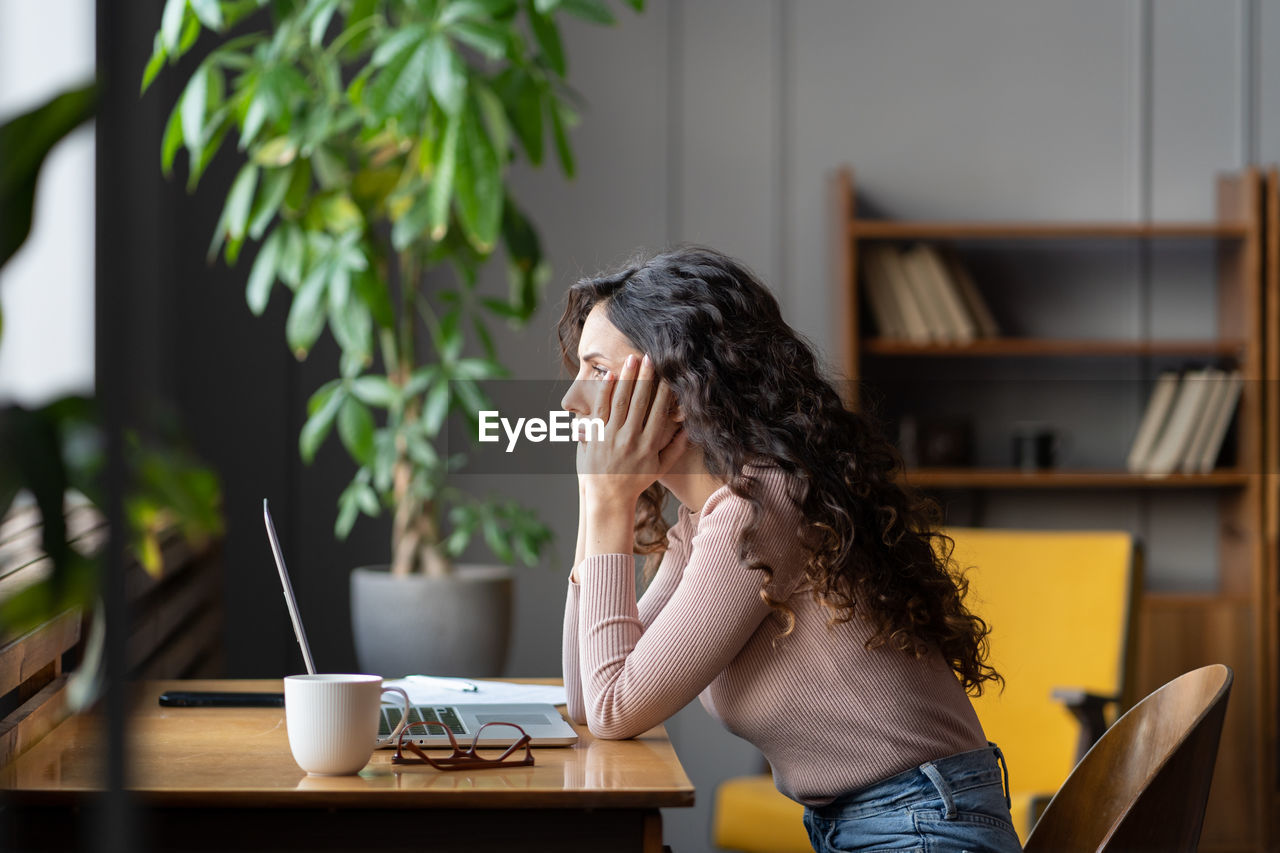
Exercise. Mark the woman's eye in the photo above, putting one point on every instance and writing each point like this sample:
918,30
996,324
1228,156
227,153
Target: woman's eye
598,371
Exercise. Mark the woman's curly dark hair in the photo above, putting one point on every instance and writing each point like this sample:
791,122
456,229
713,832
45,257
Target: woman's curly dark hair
751,390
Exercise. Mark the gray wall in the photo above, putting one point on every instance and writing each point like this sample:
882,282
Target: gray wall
720,121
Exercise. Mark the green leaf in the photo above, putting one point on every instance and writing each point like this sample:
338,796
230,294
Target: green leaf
638,5
274,185
194,99
405,230
372,291
563,149
479,184
279,151
498,8
240,200
172,138
254,118
317,427
401,42
263,274
447,338
486,340
356,32
421,451
171,24
205,157
209,13
442,181
330,169
292,256
321,17
478,368
594,11
321,395
401,85
376,391
355,428
190,32
307,313
547,35
436,407
351,324
461,10
348,511
494,538
490,39
384,459
495,121
155,63
25,141
523,101
446,74
421,379
524,253
545,7
367,499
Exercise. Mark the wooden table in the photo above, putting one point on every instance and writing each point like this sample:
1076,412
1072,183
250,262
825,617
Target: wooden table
215,779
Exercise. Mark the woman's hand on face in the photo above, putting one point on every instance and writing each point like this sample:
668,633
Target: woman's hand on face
642,439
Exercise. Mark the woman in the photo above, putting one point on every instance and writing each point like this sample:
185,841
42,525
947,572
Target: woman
800,594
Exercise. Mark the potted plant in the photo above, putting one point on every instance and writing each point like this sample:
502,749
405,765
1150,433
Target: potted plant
375,136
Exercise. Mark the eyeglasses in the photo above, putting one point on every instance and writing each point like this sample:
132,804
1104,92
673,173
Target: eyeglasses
464,759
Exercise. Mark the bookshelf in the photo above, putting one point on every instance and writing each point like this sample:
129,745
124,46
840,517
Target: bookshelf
1237,619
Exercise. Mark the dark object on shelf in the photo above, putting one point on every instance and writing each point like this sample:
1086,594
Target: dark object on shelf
1035,447
935,442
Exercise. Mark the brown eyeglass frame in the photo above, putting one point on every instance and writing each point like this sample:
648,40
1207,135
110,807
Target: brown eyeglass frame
464,759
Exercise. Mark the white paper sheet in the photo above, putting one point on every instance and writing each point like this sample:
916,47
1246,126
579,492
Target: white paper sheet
489,693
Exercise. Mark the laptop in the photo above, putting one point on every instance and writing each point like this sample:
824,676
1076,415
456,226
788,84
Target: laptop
540,720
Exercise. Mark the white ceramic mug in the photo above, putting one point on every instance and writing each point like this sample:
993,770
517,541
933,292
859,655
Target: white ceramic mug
332,721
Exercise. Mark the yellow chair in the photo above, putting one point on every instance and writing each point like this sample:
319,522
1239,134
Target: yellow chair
1060,606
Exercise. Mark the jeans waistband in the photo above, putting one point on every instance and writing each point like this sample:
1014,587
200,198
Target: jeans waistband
942,777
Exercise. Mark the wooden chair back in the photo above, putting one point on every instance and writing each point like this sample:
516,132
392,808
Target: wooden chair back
1145,783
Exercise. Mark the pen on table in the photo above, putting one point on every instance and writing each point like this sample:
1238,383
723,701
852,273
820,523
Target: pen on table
448,683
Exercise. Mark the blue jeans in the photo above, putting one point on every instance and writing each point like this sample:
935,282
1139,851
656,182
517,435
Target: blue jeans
956,804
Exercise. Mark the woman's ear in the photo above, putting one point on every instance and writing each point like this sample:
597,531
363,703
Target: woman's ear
677,413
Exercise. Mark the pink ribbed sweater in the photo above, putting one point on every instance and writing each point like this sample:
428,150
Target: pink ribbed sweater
829,715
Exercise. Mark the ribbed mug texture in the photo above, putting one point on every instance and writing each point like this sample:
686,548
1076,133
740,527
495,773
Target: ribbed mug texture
332,721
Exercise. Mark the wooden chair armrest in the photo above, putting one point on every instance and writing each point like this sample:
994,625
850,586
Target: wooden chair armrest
1088,710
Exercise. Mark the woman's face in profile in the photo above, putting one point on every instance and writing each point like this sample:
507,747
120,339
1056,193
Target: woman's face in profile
601,350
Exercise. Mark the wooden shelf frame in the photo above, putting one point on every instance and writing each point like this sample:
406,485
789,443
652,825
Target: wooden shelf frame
1055,347
1269,582
1238,622
884,229
1013,478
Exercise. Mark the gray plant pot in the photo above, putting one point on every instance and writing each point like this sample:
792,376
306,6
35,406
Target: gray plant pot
457,625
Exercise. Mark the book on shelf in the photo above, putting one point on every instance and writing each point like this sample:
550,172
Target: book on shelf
923,296
1153,420
885,310
1223,411
1185,422
969,295
882,262
925,266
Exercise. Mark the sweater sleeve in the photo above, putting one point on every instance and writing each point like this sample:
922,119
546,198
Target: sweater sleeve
651,603
633,675
569,657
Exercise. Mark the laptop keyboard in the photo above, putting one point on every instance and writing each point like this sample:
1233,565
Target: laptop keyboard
421,714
